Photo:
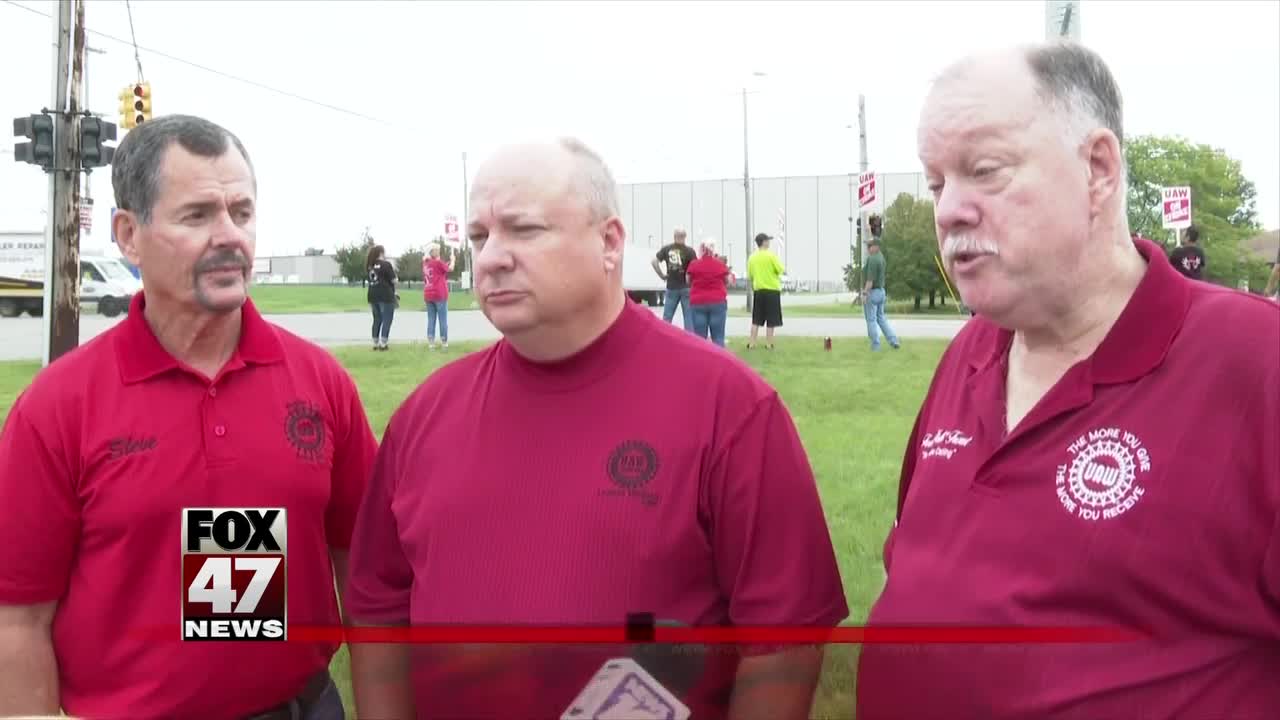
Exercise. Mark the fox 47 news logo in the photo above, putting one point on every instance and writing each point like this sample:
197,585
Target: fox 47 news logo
233,574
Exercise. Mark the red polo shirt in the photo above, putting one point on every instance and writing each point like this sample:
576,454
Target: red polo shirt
1142,492
98,456
510,492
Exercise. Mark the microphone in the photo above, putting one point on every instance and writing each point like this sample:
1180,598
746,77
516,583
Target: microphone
645,685
623,690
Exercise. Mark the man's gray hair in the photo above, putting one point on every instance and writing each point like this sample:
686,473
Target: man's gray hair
135,170
592,179
1078,83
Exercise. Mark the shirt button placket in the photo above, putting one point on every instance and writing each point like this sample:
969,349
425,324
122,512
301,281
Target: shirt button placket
219,429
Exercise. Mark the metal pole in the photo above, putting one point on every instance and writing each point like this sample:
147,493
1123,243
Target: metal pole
88,191
468,261
746,193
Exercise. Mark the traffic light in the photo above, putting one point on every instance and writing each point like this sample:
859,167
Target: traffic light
39,130
135,105
94,132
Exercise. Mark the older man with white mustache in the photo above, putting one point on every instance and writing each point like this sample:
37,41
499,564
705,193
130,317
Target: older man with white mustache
1096,465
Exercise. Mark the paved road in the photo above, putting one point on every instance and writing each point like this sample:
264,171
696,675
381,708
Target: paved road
20,338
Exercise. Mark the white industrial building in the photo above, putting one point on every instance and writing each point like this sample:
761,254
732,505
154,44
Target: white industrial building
297,270
814,216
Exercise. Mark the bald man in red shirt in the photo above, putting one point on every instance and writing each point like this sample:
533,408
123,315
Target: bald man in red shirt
192,401
1100,446
543,482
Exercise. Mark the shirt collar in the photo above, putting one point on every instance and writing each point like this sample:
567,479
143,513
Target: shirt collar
141,356
1141,336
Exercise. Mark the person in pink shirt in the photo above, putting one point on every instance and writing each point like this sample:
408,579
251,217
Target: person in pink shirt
435,291
709,279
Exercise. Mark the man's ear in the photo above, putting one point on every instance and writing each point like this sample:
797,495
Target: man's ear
1106,162
614,236
124,224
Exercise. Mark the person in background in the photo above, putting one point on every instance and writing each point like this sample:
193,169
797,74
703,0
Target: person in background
764,273
483,510
1097,449
435,291
1188,258
194,400
1273,284
874,298
381,295
709,280
676,256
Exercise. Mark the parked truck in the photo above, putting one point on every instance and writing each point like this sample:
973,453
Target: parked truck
105,282
638,278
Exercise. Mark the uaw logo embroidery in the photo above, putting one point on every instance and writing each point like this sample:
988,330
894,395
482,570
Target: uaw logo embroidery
1101,481
943,443
304,428
631,466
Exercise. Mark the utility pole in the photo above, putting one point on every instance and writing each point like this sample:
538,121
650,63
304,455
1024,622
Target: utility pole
88,192
62,239
864,225
746,194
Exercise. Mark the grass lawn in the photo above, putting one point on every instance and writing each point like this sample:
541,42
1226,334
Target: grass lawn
854,411
337,298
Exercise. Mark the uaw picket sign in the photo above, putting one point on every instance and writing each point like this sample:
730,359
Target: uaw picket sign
1100,482
1175,204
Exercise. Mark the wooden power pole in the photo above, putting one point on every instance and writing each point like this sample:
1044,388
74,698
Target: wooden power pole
62,276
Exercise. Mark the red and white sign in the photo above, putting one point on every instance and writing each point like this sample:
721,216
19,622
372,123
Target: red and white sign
86,215
451,229
866,189
233,574
1176,207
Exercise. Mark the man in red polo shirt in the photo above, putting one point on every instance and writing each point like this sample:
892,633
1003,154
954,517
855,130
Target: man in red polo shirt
542,481
1099,446
192,401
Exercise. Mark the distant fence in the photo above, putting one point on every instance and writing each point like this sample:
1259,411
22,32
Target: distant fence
814,215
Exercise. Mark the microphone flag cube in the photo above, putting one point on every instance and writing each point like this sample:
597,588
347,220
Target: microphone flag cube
623,690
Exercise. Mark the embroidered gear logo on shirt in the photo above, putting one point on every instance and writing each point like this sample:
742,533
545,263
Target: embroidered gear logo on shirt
304,427
1101,481
631,466
943,443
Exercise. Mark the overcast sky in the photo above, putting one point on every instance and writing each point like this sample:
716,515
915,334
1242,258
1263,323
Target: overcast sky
655,86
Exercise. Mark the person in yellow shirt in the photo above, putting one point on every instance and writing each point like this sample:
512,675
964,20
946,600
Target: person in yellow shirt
764,271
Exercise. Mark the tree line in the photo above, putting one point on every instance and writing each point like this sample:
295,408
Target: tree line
351,259
1223,206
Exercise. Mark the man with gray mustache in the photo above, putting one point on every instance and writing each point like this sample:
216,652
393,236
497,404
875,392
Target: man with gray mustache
1095,470
192,401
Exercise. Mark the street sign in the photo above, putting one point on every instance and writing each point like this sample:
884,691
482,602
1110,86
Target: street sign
86,215
1176,207
866,189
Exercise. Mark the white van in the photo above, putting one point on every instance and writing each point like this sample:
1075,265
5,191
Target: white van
638,278
104,281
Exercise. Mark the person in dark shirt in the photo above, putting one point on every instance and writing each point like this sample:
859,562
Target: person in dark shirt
1188,258
677,255
382,294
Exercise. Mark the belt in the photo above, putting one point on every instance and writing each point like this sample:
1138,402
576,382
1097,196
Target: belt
297,707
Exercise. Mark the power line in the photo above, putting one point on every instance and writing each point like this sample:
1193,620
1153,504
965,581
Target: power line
134,35
207,69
